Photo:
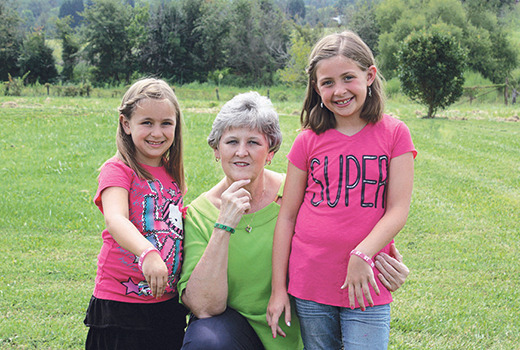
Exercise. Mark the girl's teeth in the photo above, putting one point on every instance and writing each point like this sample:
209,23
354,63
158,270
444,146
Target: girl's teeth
344,102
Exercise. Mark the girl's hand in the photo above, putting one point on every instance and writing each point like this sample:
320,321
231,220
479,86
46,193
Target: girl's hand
278,303
359,278
393,272
156,273
235,202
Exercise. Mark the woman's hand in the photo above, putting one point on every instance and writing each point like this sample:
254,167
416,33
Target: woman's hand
359,278
393,272
156,273
235,202
206,292
278,304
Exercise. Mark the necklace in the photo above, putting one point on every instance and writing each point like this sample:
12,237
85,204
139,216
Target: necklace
249,228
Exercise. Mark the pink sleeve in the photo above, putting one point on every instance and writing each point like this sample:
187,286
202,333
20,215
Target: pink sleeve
298,155
112,174
403,141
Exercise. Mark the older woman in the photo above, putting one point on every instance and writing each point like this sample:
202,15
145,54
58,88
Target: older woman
226,275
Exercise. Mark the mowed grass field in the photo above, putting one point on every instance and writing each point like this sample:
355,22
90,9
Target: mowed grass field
461,242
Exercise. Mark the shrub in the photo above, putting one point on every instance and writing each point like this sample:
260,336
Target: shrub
70,91
431,69
13,87
392,87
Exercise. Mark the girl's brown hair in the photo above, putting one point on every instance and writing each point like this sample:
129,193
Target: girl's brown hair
349,45
151,88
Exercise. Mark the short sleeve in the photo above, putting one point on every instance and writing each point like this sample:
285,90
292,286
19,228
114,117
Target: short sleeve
113,173
298,153
403,141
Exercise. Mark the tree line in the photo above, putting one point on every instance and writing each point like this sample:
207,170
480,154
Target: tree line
243,42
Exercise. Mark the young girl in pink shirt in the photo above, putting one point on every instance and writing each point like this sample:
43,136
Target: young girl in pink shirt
347,195
140,193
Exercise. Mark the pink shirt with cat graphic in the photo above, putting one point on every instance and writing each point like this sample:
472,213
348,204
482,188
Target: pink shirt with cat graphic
155,208
344,199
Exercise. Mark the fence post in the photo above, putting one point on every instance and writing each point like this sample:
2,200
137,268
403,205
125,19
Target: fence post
505,90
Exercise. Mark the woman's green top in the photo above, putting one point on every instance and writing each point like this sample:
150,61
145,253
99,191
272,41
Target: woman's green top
249,266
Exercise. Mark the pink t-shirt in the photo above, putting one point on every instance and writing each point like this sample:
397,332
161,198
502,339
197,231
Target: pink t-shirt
155,208
344,199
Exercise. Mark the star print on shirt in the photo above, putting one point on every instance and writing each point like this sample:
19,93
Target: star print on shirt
131,287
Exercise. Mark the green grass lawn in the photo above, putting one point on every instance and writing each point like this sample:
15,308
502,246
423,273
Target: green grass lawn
461,241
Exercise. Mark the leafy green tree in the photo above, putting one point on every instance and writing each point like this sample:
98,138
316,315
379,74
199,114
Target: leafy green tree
109,47
475,24
192,67
212,29
491,53
163,50
399,18
504,58
294,71
257,44
302,41
34,13
138,35
37,58
496,6
363,21
70,47
175,48
72,8
10,39
431,68
296,8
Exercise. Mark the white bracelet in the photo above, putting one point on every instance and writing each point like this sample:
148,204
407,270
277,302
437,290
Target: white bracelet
143,255
362,256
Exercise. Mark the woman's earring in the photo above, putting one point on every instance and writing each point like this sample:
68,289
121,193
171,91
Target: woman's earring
321,105
369,91
217,159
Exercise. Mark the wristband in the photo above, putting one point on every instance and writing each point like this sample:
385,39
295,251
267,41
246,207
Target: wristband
225,228
143,255
362,256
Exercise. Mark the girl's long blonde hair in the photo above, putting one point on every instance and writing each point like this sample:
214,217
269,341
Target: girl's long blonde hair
151,88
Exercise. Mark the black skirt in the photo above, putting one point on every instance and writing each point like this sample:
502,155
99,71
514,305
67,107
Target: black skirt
118,325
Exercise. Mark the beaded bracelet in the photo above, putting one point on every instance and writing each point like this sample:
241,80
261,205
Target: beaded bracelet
143,255
224,227
362,256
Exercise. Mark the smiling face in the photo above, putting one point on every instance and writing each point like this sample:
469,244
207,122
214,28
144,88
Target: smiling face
243,153
342,85
152,128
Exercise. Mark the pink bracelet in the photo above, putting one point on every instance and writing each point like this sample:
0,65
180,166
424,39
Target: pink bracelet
143,255
362,256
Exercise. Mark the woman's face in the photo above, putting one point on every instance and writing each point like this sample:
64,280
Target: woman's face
244,153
